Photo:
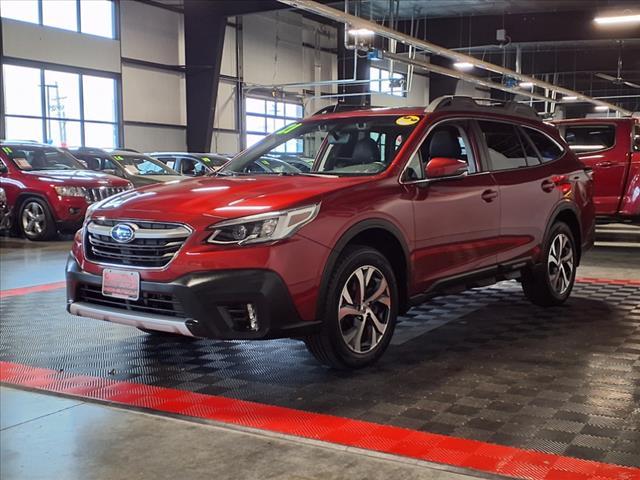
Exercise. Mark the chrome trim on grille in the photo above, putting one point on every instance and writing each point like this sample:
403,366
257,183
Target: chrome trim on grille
159,323
178,232
93,195
155,244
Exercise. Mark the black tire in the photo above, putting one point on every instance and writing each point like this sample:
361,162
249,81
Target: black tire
44,228
550,283
331,345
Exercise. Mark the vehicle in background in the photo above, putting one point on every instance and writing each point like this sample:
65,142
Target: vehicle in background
5,212
48,190
402,204
138,168
268,164
611,147
302,163
191,164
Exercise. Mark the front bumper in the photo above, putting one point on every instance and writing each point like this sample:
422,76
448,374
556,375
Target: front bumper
205,304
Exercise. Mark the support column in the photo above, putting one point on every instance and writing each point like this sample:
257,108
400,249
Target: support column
205,25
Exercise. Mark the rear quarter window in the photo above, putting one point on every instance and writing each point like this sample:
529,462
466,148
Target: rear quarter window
589,138
547,148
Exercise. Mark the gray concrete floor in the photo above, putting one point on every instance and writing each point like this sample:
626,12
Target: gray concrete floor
45,437
48,437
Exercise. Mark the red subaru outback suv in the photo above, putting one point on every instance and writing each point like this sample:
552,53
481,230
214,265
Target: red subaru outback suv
49,190
400,205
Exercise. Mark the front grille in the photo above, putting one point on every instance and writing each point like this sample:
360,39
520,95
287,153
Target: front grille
100,193
149,302
154,244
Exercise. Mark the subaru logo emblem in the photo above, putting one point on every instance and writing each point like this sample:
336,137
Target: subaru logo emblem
123,233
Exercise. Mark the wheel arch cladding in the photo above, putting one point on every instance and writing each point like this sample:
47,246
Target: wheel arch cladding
569,217
384,237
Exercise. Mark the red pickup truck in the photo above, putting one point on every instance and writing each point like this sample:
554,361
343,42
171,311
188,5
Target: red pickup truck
611,147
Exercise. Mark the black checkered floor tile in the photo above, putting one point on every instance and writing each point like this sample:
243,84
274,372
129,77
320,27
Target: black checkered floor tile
484,365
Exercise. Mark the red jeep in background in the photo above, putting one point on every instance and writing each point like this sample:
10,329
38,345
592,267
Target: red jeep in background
400,205
611,147
48,190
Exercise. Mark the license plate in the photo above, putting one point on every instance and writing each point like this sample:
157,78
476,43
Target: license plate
121,284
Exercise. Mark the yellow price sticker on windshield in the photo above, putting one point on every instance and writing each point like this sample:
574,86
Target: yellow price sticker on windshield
407,120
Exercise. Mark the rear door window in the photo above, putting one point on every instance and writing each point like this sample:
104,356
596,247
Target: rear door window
589,138
547,148
503,144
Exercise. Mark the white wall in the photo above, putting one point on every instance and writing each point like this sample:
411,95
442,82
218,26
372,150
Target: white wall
152,95
46,44
272,53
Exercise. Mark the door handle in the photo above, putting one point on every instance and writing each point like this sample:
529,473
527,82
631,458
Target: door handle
489,195
548,185
605,164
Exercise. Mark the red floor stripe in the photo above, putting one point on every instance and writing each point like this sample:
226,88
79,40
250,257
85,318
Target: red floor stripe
12,292
615,281
457,452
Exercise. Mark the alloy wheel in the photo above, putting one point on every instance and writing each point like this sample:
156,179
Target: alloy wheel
560,264
364,309
33,219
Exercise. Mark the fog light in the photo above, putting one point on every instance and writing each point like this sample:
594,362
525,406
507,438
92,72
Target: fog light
253,317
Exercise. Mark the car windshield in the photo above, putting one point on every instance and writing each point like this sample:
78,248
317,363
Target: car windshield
364,145
143,165
27,157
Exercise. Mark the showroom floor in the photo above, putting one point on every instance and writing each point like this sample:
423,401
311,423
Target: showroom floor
480,381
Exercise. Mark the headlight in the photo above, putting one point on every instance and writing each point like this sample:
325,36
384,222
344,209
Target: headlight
264,227
70,191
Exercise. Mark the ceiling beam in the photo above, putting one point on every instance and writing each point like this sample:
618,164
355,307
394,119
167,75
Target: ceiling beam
360,23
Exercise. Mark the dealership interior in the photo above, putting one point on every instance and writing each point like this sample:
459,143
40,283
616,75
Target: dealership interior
320,239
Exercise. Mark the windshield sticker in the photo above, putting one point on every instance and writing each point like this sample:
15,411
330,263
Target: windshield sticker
288,129
206,159
7,150
118,157
22,163
407,120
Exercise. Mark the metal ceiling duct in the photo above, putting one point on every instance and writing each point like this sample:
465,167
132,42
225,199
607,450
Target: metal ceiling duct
360,23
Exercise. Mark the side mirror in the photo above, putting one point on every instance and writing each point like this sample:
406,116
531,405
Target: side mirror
440,167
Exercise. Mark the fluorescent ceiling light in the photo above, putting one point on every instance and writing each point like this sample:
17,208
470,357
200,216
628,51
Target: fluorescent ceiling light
463,65
570,98
361,32
526,85
601,108
616,20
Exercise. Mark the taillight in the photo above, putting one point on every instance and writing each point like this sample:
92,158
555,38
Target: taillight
562,182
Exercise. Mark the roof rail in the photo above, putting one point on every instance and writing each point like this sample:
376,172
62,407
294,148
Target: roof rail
485,105
338,107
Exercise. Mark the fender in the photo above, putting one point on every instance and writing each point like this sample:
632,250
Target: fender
557,210
23,195
349,235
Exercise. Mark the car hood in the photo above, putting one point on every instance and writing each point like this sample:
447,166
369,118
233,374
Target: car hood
221,197
140,180
82,178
